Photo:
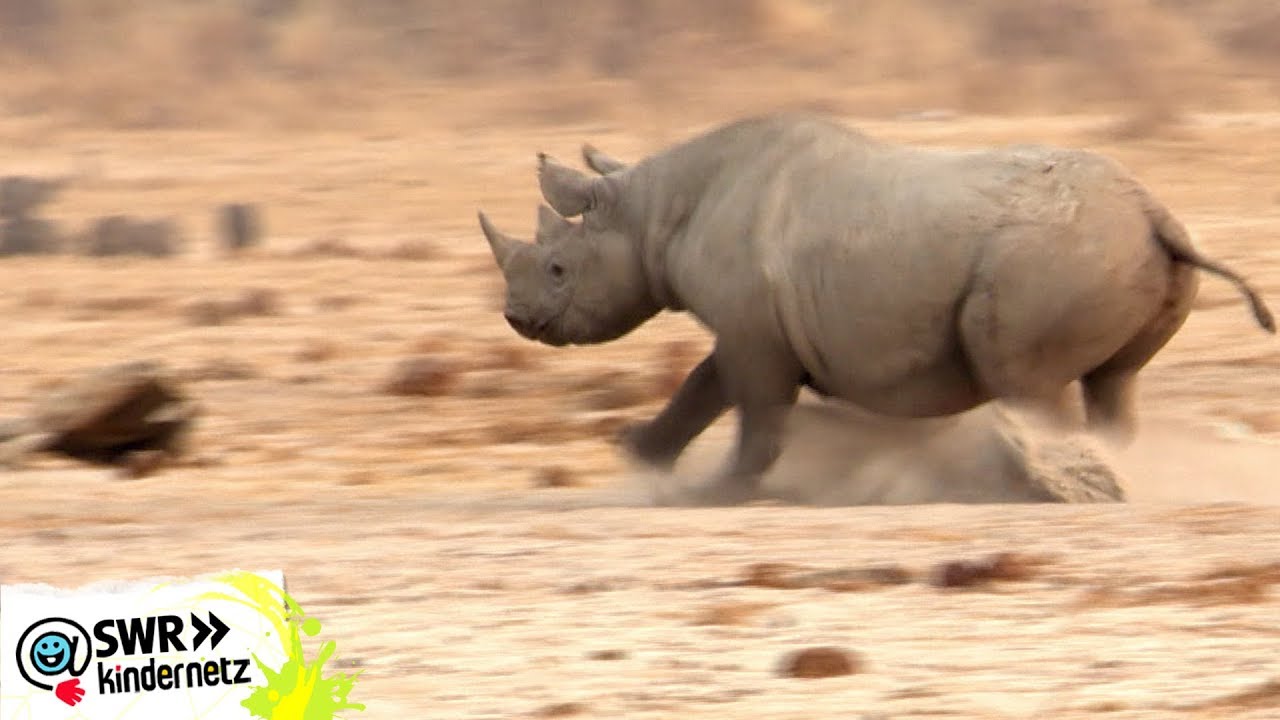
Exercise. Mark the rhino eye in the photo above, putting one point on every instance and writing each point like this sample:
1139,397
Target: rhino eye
556,270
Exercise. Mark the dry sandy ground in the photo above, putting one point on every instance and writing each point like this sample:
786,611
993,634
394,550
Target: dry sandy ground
413,527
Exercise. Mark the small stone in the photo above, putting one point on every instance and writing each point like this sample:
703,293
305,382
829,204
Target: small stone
555,476
557,710
423,376
820,662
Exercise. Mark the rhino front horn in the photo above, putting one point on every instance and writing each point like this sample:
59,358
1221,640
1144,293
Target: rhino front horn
500,244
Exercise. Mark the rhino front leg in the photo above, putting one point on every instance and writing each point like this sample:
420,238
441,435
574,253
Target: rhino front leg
764,392
699,401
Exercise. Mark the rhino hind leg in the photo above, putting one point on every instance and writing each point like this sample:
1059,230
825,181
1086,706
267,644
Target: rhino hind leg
1110,389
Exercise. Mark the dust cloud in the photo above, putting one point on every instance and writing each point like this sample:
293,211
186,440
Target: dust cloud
835,454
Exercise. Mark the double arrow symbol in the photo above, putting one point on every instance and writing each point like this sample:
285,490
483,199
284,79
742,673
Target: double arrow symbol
215,626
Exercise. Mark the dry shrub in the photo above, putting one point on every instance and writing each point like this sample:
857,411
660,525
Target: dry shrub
112,304
134,64
612,390
535,430
1263,696
39,298
1232,585
331,247
555,476
422,376
730,613
559,710
116,235
259,302
206,312
1005,566
253,302
793,577
509,356
413,251
316,350
608,655
221,368
336,303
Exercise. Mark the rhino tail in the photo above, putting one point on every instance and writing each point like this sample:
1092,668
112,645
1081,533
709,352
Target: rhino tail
1173,236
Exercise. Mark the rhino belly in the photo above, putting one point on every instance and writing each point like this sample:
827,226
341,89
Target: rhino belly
942,388
888,359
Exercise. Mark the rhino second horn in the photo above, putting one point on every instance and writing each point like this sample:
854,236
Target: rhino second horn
499,243
566,190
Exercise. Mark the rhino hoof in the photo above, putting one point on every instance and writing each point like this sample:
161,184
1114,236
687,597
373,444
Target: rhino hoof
633,441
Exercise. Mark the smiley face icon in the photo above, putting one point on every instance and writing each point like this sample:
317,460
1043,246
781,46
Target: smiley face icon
51,650
51,653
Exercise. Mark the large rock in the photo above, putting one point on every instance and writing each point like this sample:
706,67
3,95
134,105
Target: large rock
835,454
107,416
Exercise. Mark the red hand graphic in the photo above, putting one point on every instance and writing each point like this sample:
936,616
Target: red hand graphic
69,691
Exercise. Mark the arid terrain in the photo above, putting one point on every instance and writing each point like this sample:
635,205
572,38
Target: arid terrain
466,532
418,528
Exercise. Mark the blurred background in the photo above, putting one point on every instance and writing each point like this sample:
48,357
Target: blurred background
307,63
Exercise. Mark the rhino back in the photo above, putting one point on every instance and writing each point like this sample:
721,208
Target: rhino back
858,254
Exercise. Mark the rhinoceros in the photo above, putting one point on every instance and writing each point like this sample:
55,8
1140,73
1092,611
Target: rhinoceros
911,282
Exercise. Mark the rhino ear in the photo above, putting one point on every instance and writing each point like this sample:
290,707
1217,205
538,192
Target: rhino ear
499,242
567,190
550,224
600,162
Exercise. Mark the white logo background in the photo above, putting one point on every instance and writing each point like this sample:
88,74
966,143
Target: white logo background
21,606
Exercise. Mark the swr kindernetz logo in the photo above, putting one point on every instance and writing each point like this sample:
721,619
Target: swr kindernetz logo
58,647
54,653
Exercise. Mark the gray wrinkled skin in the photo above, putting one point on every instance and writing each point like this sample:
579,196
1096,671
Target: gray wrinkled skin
911,282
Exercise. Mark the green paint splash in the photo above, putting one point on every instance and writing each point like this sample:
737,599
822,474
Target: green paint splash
298,690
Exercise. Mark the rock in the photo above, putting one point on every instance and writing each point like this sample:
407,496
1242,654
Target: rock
820,662
106,417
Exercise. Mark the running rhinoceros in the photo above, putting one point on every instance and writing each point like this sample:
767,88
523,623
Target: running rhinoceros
911,282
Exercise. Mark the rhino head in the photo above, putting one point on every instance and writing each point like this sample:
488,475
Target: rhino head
579,282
